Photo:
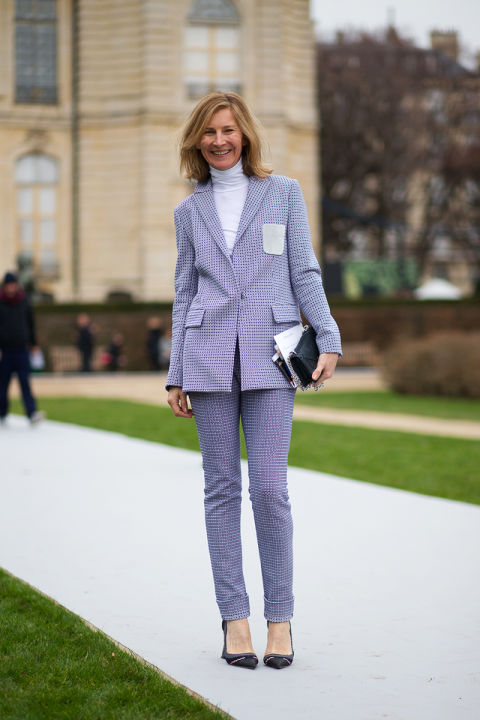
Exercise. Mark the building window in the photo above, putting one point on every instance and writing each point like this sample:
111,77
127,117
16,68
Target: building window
35,51
37,180
212,48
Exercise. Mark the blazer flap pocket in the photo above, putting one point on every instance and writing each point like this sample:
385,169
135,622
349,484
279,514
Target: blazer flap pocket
194,317
286,313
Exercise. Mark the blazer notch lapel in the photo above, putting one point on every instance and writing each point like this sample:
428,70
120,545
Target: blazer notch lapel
205,202
257,188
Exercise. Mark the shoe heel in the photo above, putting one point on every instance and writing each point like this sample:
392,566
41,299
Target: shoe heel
279,661
246,660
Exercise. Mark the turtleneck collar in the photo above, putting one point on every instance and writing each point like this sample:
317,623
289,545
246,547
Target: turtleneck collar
228,180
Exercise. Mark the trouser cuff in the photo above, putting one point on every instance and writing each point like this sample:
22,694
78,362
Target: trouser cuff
235,608
279,611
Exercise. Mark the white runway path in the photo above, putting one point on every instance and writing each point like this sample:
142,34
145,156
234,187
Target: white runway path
387,583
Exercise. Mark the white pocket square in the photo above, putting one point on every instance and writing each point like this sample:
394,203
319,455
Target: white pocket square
273,238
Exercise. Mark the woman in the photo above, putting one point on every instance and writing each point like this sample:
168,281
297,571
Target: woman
245,265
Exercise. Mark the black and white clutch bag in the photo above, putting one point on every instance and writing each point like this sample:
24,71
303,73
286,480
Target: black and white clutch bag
303,360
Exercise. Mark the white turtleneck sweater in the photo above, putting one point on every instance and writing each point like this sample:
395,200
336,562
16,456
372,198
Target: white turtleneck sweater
229,191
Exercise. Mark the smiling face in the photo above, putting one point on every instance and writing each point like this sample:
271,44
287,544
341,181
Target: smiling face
222,140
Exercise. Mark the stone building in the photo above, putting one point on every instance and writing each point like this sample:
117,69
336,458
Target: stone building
92,96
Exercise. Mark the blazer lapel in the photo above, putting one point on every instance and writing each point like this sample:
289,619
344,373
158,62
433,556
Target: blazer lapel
203,195
257,187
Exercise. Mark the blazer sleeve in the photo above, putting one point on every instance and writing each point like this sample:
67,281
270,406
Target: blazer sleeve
306,276
186,284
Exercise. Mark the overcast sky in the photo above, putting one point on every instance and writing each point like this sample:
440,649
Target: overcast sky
413,17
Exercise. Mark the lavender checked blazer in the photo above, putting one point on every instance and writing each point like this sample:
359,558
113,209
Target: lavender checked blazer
255,293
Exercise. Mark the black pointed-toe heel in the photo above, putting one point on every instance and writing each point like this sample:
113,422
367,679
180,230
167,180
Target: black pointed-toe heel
274,660
246,660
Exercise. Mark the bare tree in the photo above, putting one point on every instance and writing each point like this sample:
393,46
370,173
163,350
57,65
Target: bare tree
400,151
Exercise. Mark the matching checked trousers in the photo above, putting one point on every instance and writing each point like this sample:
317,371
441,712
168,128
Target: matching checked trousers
266,417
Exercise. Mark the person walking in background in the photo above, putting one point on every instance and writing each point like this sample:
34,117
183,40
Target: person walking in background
244,270
165,348
17,339
115,358
85,341
154,335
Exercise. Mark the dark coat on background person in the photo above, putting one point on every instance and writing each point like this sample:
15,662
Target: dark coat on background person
85,340
17,327
85,343
115,355
17,335
153,346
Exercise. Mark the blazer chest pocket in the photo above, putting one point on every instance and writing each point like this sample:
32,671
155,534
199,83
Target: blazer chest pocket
286,313
273,238
194,317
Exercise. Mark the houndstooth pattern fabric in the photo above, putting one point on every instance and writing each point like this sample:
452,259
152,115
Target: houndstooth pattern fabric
252,293
266,417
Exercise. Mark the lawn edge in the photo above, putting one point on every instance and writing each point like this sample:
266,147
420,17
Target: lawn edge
310,409
126,649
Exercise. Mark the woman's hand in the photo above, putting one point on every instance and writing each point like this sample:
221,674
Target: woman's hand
325,367
177,400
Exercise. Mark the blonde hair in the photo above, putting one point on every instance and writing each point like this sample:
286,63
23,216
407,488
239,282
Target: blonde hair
192,162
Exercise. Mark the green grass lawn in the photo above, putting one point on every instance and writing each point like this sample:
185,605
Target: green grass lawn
54,667
385,401
445,467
